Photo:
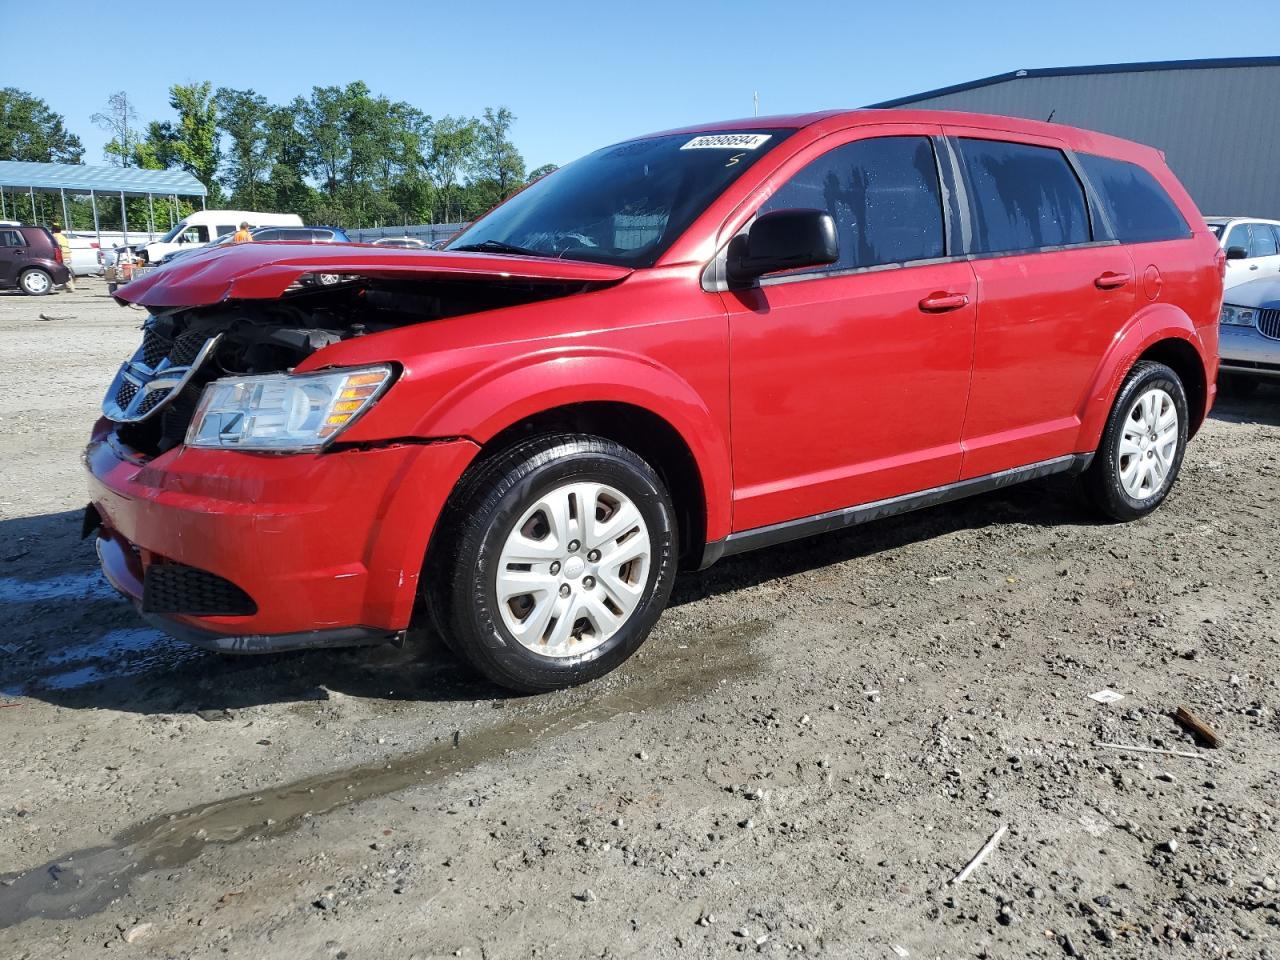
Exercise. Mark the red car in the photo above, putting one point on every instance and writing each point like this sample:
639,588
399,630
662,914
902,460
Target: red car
680,347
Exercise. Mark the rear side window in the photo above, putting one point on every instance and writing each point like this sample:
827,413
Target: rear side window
1264,241
223,229
1023,197
11,238
1140,209
882,193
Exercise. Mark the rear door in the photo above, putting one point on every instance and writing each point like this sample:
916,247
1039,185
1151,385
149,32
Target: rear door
1052,295
1264,251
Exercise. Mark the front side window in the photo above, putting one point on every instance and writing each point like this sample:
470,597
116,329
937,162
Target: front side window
1264,241
1239,237
1140,209
884,196
1022,197
625,204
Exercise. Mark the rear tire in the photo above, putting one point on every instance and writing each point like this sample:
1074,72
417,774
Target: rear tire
1142,445
556,559
34,282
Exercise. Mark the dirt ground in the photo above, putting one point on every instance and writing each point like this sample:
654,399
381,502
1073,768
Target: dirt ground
814,742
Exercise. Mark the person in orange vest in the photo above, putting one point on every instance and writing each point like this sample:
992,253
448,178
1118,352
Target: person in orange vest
242,235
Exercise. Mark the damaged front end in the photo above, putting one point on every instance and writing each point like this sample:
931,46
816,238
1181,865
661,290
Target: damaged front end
156,394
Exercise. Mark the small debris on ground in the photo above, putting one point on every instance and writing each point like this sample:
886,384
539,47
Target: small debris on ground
1197,727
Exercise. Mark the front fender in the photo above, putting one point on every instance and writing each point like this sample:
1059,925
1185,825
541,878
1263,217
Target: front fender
498,396
1149,326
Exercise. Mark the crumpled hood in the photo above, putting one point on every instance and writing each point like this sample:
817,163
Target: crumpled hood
264,271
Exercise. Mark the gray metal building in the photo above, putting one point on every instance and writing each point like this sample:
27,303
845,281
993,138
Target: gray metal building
1216,120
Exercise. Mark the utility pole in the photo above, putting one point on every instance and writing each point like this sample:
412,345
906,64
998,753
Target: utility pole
755,100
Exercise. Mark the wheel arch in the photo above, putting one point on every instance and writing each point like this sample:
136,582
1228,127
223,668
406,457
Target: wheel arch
1163,333
638,428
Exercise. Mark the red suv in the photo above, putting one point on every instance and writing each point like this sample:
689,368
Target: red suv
679,347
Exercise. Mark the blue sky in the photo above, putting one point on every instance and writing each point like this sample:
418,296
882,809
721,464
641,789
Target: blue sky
579,75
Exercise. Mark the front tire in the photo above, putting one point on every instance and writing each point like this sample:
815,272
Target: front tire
1142,445
35,282
560,555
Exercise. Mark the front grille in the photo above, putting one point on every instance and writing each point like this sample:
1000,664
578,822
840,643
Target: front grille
125,393
186,347
150,401
154,348
1269,323
177,588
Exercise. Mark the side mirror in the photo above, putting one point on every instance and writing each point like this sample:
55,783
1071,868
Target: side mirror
1237,253
783,240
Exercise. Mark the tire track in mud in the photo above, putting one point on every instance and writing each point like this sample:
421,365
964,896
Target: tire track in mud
85,882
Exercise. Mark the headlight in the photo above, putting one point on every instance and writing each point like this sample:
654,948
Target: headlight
1234,316
283,411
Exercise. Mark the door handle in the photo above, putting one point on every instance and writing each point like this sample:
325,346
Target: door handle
941,302
1253,266
1110,281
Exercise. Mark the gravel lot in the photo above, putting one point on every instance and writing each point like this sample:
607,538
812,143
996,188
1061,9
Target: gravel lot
814,742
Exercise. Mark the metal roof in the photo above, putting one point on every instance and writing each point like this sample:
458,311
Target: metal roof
83,179
1146,67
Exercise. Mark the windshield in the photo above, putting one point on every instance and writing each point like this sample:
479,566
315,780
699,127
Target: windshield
623,205
169,237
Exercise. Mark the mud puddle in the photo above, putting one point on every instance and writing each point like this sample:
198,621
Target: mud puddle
84,882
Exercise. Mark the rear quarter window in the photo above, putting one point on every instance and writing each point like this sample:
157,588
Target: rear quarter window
11,238
1139,208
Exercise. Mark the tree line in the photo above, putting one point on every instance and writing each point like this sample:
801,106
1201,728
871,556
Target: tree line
340,155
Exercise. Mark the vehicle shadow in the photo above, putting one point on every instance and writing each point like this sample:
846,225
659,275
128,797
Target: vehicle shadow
71,641
1261,406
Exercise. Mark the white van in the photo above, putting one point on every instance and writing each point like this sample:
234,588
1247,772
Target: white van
207,225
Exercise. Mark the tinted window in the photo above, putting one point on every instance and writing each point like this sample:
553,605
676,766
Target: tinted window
272,235
223,230
625,204
1264,241
1139,208
1238,237
1023,197
11,238
883,195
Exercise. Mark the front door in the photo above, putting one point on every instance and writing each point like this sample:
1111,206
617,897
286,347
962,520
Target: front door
849,382
1052,300
13,253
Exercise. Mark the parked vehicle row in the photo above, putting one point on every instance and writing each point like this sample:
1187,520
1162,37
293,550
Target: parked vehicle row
268,235
206,226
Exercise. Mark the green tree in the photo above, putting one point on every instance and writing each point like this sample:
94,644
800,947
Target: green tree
539,172
245,117
194,138
453,154
32,132
498,159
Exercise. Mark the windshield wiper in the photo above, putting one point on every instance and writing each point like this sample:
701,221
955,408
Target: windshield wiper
498,246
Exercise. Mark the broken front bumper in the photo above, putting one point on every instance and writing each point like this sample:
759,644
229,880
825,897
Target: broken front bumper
247,552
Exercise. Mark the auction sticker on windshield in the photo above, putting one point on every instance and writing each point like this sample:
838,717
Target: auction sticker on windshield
727,141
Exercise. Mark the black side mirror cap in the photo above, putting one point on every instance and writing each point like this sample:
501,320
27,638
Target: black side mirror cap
782,240
1237,253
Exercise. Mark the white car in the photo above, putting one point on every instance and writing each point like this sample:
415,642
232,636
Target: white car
205,226
1252,245
86,256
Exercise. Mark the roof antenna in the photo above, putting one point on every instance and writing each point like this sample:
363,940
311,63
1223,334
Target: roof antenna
1049,118
755,100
